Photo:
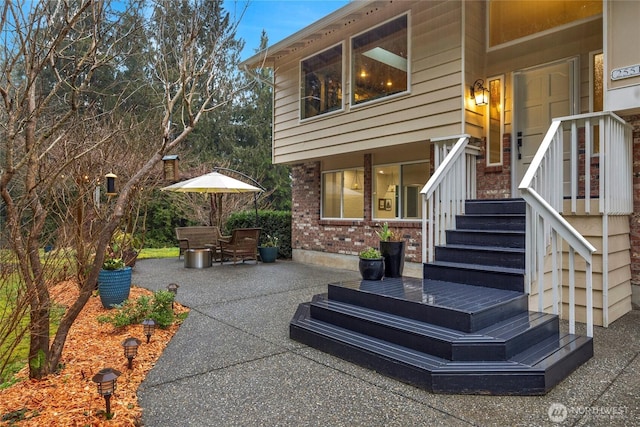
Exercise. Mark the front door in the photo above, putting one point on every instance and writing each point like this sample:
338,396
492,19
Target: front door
540,94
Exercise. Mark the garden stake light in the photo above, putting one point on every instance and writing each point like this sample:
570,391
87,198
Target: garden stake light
173,288
130,349
106,379
148,326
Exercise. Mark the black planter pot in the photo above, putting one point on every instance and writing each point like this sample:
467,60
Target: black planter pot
393,254
371,269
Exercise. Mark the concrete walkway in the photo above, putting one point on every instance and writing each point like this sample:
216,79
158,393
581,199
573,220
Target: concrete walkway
232,364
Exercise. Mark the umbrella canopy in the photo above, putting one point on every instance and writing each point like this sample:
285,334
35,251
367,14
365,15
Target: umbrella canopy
213,182
218,184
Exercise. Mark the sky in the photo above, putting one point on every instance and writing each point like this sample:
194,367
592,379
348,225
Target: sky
279,18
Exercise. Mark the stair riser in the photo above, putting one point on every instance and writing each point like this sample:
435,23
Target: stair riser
482,257
488,222
489,279
468,237
505,206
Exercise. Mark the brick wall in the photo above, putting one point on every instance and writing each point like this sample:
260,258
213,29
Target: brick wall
494,182
635,217
349,237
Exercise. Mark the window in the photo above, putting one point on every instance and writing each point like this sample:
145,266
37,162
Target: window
597,95
494,134
379,61
321,83
397,190
511,20
343,194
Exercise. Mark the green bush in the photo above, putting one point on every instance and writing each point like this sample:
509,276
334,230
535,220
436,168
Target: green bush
130,313
273,223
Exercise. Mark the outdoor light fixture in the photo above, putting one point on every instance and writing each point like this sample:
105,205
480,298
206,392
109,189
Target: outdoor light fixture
106,380
111,184
130,349
170,167
173,288
479,93
148,326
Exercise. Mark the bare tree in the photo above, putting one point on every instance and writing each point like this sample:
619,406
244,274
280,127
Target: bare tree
68,117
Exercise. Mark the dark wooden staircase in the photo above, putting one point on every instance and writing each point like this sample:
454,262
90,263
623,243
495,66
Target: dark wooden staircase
464,328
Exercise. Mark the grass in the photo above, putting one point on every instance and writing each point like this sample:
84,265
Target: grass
147,253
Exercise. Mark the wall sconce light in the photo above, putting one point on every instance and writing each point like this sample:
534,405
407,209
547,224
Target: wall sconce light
106,380
111,184
148,326
479,93
130,349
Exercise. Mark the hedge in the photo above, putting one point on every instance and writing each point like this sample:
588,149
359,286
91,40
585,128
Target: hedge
274,223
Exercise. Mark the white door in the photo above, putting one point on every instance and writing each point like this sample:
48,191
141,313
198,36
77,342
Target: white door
540,94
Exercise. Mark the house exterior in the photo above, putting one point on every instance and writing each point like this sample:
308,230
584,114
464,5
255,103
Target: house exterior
363,98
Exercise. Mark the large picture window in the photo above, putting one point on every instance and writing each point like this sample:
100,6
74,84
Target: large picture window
343,194
321,83
380,61
397,190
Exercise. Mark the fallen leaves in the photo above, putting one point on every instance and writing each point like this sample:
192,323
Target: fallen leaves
69,397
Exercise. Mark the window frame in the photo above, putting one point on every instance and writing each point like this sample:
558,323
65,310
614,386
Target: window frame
342,186
352,73
301,94
400,201
488,163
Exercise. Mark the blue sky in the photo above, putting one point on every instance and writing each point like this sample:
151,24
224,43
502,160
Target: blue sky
279,19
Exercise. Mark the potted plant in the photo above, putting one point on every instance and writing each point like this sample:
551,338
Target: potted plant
114,280
392,250
127,245
371,264
269,248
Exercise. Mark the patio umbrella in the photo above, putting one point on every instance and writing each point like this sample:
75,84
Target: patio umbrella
215,183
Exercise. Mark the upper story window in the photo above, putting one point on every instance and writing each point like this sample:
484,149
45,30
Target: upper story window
511,20
380,61
321,83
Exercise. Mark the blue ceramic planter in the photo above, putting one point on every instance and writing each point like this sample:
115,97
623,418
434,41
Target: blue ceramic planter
114,286
268,253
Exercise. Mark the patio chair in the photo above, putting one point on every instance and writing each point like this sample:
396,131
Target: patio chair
242,245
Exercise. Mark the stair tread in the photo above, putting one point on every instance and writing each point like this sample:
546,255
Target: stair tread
451,295
426,361
484,248
497,333
483,267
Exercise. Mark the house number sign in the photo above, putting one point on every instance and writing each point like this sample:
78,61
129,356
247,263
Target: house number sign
625,72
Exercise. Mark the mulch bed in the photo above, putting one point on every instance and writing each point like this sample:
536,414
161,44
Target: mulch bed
70,397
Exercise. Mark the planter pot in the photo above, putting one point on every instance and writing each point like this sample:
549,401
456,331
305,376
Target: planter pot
393,254
114,286
268,253
371,269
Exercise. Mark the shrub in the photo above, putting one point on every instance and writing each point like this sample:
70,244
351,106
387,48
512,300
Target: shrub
129,312
273,223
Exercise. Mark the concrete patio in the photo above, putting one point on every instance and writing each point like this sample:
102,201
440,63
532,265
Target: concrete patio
233,364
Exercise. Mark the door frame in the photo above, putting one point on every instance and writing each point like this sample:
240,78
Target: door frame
574,94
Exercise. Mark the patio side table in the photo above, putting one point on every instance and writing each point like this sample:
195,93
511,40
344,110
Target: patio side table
197,258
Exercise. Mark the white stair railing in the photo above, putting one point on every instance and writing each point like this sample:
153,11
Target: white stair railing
542,189
443,196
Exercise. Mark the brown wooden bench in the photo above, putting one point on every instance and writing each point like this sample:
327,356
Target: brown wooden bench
242,245
198,237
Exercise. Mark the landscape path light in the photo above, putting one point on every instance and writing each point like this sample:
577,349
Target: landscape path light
173,288
131,349
148,326
106,380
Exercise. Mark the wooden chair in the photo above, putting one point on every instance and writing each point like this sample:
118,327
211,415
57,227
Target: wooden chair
242,245
198,237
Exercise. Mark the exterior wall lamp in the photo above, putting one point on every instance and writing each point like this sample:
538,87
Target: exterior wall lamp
479,93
